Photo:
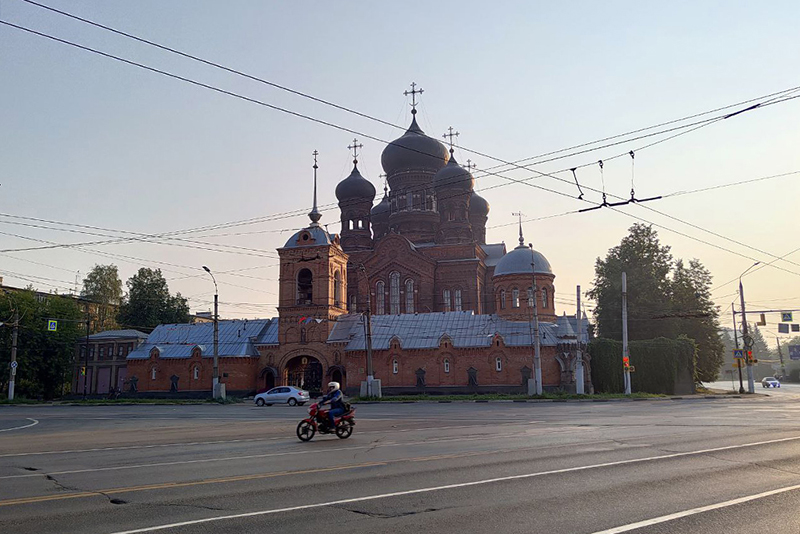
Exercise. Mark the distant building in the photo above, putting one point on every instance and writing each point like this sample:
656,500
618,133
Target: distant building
107,365
450,313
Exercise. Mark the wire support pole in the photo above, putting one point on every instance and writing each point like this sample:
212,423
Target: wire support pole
736,341
537,346
215,389
13,367
579,386
368,335
86,352
625,348
746,338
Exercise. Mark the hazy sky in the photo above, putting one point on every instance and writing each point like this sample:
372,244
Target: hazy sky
88,140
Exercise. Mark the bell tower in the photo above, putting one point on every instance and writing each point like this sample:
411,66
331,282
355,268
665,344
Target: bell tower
313,281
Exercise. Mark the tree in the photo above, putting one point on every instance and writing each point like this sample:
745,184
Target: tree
149,303
760,348
45,358
103,288
666,298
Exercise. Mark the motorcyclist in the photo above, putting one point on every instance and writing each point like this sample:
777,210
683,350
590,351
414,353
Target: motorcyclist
336,399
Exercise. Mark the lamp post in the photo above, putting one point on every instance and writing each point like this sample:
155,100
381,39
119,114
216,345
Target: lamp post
215,380
370,389
748,341
736,341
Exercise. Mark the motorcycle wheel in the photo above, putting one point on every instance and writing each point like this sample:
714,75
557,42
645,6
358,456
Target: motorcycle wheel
343,430
305,431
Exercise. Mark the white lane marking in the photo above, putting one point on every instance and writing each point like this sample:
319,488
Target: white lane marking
34,423
453,486
694,511
247,440
433,441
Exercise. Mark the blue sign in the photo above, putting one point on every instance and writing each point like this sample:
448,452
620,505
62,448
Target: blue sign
14,365
738,354
794,352
786,317
52,326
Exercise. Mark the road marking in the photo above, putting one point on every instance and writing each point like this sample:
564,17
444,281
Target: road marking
34,423
694,511
448,486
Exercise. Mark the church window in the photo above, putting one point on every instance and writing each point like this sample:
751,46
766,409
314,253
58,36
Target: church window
446,299
351,302
153,373
544,297
417,201
409,296
458,300
395,367
515,298
394,293
380,295
196,373
530,297
428,200
337,289
304,287
498,364
446,365
502,299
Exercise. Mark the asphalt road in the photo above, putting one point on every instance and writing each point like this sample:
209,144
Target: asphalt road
729,465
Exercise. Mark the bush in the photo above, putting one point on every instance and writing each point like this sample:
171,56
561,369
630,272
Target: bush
660,364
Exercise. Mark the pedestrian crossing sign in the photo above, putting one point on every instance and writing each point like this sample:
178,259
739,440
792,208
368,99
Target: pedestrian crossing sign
786,317
52,326
738,354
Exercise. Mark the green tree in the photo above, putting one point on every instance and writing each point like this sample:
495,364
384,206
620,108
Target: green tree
760,348
45,358
149,303
666,298
103,287
647,264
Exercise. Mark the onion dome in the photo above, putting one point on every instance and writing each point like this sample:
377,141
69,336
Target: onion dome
519,260
414,150
478,205
380,212
355,186
454,175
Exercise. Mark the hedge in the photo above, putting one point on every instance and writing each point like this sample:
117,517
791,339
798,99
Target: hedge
657,363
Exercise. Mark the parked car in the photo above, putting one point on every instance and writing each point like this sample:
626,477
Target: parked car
770,382
288,394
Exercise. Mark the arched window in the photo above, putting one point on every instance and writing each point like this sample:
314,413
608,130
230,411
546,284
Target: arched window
196,373
458,300
515,298
446,365
305,284
530,297
498,364
352,303
380,297
502,299
395,367
544,297
409,296
394,293
337,289
446,300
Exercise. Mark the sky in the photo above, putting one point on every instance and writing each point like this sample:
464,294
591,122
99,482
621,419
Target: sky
87,140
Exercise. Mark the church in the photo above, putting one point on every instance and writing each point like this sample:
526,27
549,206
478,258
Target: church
448,312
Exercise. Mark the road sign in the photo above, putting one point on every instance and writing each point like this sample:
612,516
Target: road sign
786,317
738,354
52,325
14,365
794,352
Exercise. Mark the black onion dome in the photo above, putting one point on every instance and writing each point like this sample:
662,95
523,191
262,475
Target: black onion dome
478,205
355,186
380,211
454,175
414,150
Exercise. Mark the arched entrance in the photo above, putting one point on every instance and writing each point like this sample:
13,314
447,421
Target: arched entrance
268,378
304,372
336,373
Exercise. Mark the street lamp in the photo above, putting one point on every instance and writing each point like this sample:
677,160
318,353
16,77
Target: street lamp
748,341
215,380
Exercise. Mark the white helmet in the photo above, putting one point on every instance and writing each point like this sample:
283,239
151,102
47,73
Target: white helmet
333,385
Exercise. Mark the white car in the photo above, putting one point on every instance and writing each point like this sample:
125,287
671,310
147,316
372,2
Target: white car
770,382
282,394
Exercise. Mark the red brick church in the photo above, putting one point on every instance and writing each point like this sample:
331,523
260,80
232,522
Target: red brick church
449,312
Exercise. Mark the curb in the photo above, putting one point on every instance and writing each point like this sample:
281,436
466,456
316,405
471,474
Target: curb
571,401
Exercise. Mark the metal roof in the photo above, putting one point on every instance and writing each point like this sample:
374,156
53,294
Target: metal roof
236,338
426,330
494,251
318,236
519,260
118,334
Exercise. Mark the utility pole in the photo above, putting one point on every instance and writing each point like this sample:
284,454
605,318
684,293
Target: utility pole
748,343
578,354
625,351
368,338
86,354
736,340
13,371
780,354
537,356
216,390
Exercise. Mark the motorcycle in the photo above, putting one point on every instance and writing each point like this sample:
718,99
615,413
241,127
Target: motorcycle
317,421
